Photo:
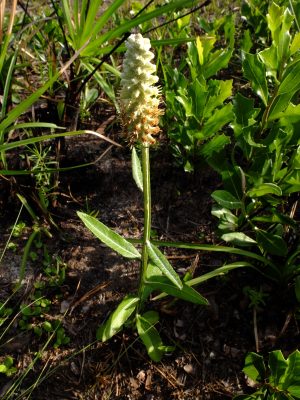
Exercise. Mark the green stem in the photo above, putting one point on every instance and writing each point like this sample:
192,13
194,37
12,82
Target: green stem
147,221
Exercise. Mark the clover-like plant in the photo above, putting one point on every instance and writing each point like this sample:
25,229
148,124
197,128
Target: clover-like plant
139,104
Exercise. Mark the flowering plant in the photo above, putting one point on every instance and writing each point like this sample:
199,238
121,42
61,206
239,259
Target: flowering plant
139,101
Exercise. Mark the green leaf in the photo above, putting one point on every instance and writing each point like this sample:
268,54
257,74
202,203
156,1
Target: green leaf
279,104
150,337
292,373
209,275
218,60
3,369
186,293
228,221
151,316
290,114
198,95
295,45
294,390
136,169
278,365
117,318
269,57
238,239
255,71
246,42
109,237
270,243
216,144
226,199
254,367
263,189
290,80
219,91
274,18
8,362
163,264
219,118
244,109
120,29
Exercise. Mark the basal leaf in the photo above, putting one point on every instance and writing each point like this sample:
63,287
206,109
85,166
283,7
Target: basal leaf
226,199
292,373
186,293
109,237
238,238
270,243
117,318
255,72
254,367
163,264
136,169
263,189
278,365
150,337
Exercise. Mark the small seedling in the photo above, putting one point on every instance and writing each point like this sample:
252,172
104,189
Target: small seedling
7,367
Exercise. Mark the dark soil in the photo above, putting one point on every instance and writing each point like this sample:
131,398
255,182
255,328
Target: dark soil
210,342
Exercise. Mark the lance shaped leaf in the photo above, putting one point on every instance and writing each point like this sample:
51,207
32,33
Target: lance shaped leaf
238,238
136,169
163,264
187,293
263,189
273,244
226,199
117,318
150,336
109,237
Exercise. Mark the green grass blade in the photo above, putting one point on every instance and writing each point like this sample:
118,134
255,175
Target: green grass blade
92,28
8,83
209,275
26,142
92,48
28,125
217,272
27,103
68,19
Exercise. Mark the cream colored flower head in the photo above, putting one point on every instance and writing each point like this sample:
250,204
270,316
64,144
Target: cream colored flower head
139,98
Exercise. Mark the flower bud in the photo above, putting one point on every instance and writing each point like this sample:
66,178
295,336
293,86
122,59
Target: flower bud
139,98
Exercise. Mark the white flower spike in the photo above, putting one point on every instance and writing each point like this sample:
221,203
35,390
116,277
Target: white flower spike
139,98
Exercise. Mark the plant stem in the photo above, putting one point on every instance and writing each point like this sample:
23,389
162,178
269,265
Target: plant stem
147,221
